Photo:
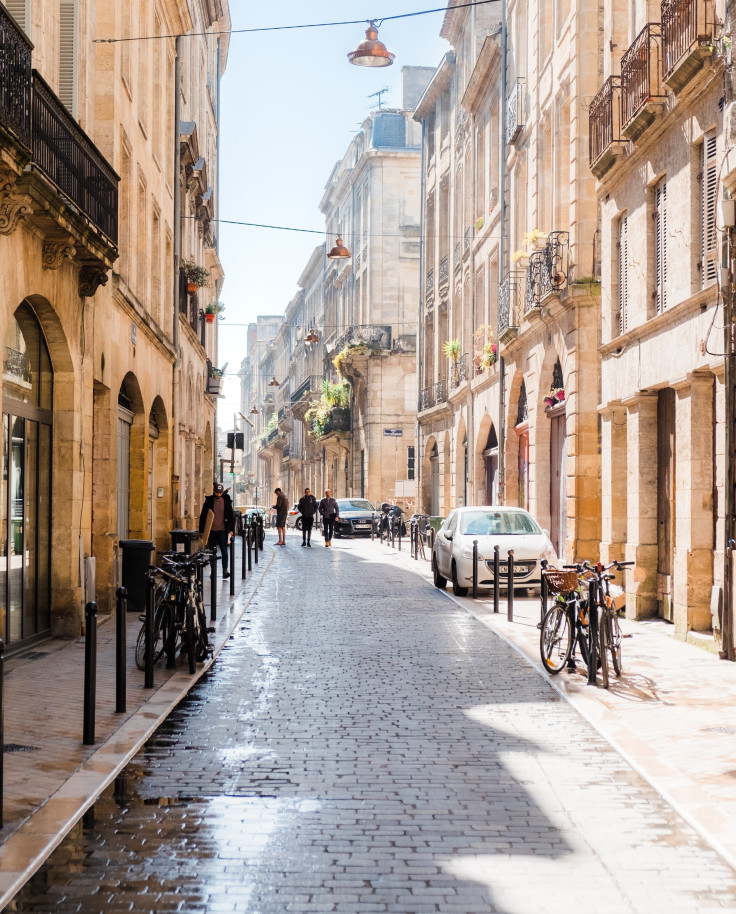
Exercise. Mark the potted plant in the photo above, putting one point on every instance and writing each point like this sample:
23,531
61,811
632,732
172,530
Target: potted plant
212,310
197,277
214,380
535,240
486,350
554,396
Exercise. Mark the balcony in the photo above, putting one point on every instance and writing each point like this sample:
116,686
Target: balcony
509,305
458,254
688,28
215,380
642,93
434,395
605,142
444,273
285,420
15,79
372,336
547,270
515,111
337,421
459,371
312,384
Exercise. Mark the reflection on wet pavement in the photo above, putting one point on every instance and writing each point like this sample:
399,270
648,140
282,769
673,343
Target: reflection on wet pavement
364,745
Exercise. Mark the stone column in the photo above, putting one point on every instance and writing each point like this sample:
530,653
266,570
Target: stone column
614,481
693,561
641,532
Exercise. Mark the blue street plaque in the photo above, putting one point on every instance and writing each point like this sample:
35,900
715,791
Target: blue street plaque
393,432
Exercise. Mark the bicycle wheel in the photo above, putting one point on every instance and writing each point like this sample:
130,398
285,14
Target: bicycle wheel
555,639
603,638
160,630
189,636
203,644
614,645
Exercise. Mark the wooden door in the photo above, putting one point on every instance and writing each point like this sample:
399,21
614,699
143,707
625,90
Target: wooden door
558,483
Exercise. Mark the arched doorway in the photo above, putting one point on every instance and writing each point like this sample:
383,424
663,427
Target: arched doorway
158,473
490,467
132,514
521,428
434,484
25,491
558,464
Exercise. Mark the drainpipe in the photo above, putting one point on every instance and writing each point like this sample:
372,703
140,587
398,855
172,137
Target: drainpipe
727,635
420,322
502,265
177,260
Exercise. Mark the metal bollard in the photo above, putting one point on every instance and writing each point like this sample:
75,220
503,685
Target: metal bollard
475,569
243,556
2,730
231,547
432,537
593,633
543,595
213,586
261,533
393,534
510,588
90,673
399,525
496,575
255,540
373,525
249,538
415,540
148,654
121,610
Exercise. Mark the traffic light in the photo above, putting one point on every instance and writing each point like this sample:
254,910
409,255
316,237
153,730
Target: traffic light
231,440
239,441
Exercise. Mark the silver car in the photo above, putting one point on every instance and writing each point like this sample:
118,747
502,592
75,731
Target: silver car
508,528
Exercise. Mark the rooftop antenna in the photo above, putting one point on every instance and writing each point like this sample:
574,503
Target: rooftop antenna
378,95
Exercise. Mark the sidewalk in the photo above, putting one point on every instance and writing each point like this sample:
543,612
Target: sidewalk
671,715
50,777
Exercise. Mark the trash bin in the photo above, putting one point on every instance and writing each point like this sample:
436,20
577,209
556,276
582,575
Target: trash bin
184,541
136,562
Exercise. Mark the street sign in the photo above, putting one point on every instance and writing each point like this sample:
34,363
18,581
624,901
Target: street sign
393,432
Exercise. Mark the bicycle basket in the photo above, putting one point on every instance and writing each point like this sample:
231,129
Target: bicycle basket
561,581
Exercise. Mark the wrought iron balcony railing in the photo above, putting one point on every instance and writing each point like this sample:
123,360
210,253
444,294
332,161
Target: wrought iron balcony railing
444,272
509,301
515,111
375,336
432,395
15,78
310,385
641,72
337,421
429,286
458,254
64,152
459,371
687,26
467,239
547,270
604,119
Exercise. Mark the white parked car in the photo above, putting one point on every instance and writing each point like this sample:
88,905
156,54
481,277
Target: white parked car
507,528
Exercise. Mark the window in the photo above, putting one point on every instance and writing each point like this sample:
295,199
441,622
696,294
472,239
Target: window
708,192
660,245
68,55
623,274
18,10
410,462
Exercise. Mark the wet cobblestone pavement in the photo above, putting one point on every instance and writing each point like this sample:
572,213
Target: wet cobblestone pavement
363,745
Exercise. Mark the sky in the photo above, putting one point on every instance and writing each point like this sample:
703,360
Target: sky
291,103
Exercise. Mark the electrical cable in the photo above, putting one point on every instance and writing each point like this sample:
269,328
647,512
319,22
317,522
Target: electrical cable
309,25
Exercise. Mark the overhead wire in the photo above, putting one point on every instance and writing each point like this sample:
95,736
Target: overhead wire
308,25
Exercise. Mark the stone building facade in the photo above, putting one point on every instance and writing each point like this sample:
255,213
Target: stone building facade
487,433
105,411
660,154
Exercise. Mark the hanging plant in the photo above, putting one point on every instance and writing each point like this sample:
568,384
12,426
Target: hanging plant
197,277
451,348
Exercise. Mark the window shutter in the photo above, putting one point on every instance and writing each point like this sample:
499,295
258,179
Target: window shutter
660,245
17,9
67,54
623,275
708,184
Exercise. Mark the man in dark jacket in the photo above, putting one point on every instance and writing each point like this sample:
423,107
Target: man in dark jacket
282,509
223,525
329,510
307,508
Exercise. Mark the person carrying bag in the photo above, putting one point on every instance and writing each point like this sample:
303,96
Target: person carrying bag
329,510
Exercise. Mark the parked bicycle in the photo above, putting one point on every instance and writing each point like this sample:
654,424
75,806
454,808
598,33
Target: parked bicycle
609,631
180,621
566,624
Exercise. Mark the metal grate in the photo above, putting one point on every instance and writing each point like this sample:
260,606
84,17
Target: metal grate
17,747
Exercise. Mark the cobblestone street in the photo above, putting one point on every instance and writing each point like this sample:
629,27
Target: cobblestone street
364,745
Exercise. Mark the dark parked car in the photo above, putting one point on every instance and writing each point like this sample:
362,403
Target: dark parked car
356,517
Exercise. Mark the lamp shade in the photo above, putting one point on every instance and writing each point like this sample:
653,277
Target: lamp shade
371,52
339,252
273,382
254,411
311,337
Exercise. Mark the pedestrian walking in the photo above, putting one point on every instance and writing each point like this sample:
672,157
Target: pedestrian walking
282,509
223,525
307,508
329,510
